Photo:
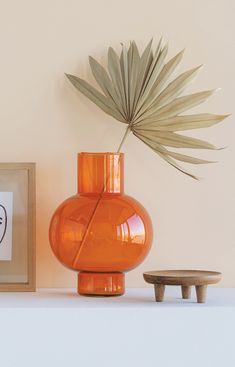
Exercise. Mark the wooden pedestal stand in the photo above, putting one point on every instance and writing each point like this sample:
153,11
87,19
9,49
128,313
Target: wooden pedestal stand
184,278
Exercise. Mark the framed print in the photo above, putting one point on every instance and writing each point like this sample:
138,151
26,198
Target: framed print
17,227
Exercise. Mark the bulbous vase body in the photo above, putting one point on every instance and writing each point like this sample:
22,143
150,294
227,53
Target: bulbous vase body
100,232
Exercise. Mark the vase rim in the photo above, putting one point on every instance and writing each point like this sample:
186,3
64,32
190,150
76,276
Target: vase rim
102,153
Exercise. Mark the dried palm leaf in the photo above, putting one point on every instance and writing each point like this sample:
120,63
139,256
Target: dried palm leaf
135,89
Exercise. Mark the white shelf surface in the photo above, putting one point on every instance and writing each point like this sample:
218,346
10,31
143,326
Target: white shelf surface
134,298
56,327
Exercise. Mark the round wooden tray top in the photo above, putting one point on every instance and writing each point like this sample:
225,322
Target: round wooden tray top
184,278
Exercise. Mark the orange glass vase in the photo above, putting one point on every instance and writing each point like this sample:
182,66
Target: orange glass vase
100,232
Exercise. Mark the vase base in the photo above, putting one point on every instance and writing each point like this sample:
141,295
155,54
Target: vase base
101,284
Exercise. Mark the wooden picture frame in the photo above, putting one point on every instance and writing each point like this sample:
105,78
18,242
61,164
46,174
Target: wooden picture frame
18,273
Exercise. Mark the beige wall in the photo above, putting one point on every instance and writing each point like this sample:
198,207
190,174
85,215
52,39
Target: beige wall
44,120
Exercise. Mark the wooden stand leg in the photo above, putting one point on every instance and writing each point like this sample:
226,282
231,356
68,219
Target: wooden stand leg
201,293
186,291
159,292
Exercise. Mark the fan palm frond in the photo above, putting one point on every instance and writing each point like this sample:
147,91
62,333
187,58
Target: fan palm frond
135,90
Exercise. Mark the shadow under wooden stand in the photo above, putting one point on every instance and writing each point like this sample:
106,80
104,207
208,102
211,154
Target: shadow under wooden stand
184,278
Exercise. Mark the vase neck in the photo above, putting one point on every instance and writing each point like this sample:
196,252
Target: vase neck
100,173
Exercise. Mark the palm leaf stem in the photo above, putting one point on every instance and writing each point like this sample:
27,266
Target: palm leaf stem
128,129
